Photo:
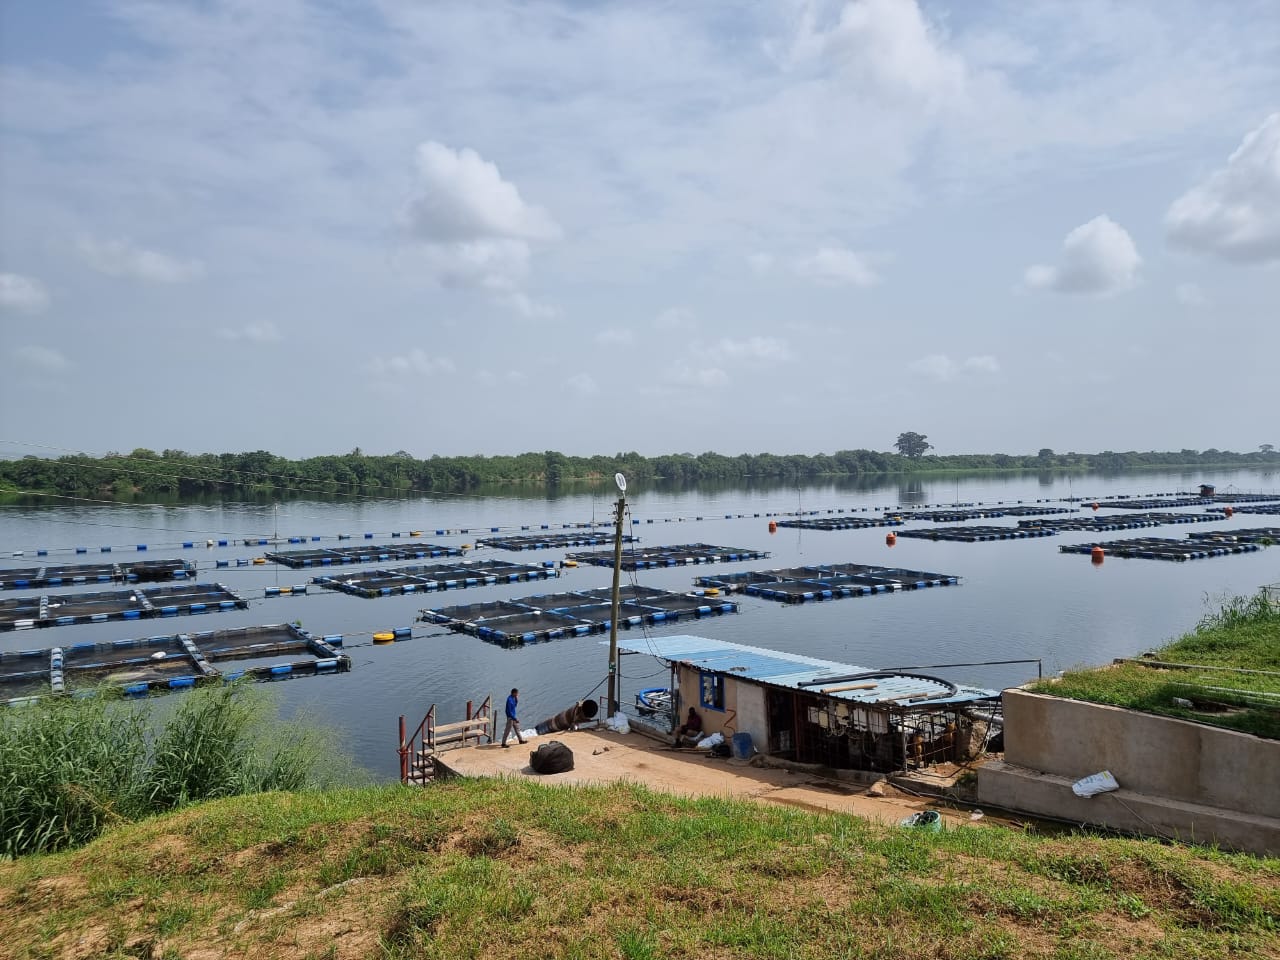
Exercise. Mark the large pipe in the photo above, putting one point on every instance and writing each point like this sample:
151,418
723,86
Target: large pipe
580,712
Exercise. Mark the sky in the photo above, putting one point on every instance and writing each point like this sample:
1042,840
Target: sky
489,228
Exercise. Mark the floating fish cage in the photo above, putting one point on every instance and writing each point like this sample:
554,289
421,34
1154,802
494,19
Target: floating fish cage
441,576
24,613
159,664
842,523
1156,503
557,615
977,534
1269,509
1133,521
1260,535
328,556
953,515
549,541
672,556
71,574
1247,498
1156,548
256,652
828,582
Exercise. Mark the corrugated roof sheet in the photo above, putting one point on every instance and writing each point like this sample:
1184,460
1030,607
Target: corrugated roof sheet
795,671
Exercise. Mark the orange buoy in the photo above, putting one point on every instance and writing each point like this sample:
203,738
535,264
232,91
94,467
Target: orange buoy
773,526
890,538
1095,504
1228,511
1097,554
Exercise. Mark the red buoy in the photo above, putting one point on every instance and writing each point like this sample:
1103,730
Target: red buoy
890,538
1095,504
773,526
1228,511
1097,555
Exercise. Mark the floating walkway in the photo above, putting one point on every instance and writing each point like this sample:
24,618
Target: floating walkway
1156,548
674,556
438,576
24,613
326,556
977,534
69,574
827,582
842,523
1133,521
549,541
137,667
573,613
957,515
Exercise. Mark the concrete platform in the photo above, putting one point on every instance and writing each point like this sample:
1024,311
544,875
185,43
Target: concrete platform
1129,811
602,757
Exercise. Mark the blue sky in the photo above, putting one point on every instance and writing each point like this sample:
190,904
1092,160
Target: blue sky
797,227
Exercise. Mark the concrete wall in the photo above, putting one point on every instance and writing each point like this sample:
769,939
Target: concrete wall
1177,779
1163,756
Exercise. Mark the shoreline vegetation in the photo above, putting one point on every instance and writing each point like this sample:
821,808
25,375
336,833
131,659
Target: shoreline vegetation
176,473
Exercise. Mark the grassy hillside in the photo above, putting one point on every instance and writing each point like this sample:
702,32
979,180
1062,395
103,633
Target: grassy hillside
517,869
1229,673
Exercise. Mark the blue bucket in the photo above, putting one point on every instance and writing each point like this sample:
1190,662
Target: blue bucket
742,747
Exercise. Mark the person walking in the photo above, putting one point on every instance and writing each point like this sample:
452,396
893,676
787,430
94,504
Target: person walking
513,725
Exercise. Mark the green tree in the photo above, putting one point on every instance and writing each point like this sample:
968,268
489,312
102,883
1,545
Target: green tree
912,444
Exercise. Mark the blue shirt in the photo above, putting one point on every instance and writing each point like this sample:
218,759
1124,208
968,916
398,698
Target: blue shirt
511,707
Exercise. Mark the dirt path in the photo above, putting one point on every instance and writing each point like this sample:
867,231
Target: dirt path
601,756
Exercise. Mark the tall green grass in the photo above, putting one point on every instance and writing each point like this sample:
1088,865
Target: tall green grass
71,767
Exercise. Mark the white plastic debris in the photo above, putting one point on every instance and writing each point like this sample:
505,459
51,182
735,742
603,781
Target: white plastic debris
529,734
618,723
1094,784
706,743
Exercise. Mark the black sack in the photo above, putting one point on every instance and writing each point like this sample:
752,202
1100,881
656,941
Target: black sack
551,757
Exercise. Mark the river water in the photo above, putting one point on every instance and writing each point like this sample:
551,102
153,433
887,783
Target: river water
1017,599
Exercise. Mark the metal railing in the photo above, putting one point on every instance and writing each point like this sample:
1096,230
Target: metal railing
418,751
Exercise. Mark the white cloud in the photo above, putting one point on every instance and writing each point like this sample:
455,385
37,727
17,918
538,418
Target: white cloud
940,367
1190,295
123,258
582,384
42,359
675,318
755,348
686,375
527,307
266,332
416,361
26,294
1098,257
889,47
836,266
982,364
1235,213
616,336
473,227
465,198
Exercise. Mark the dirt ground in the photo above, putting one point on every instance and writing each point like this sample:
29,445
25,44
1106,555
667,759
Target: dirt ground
601,756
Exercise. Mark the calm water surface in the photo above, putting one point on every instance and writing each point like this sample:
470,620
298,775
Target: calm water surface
1017,599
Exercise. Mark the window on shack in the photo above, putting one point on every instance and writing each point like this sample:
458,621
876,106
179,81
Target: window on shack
711,688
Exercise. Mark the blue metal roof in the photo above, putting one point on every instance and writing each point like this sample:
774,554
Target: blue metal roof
798,672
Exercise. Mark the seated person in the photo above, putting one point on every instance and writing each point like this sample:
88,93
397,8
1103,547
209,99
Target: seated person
689,732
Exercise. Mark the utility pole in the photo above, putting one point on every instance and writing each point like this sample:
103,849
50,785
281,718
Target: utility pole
620,506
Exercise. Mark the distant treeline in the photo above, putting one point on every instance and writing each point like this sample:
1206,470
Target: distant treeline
177,473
